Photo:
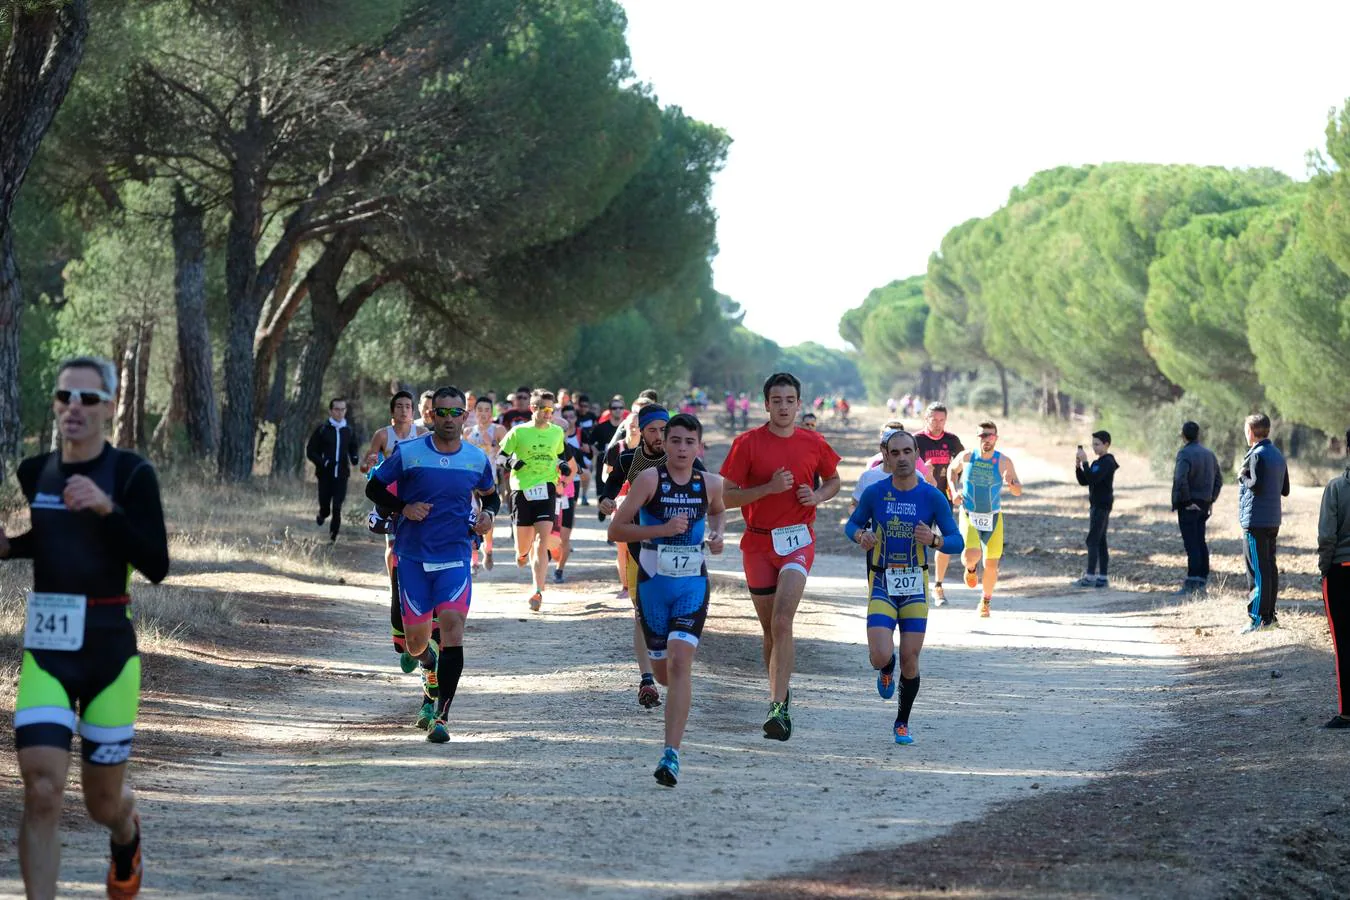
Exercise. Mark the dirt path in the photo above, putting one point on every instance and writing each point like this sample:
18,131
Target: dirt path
313,784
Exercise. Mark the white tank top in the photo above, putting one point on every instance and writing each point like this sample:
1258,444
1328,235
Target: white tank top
487,442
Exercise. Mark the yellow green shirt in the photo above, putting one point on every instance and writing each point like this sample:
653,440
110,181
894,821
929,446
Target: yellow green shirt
539,449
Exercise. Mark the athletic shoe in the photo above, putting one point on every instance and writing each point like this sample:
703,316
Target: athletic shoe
778,726
585,502
426,716
126,888
886,681
438,733
407,662
648,696
1101,581
902,735
487,560
557,576
972,580
939,595
623,594
668,769
1338,722
984,607
536,600
1258,626
318,520
1086,581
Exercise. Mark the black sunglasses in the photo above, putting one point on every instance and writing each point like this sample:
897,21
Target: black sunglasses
449,412
86,398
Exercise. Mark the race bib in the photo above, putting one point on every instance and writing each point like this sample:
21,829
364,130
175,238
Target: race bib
441,567
790,539
563,503
983,521
903,583
55,622
538,492
679,562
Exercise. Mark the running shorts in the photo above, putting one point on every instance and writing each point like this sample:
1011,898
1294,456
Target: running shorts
425,594
532,512
95,690
762,566
885,611
569,512
672,609
991,542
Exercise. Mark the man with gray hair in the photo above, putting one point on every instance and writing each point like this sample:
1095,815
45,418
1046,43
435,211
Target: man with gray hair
1263,480
1196,483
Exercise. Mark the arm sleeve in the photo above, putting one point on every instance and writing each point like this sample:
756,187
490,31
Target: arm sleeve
861,515
952,540
1284,489
136,525
1181,484
1250,476
377,486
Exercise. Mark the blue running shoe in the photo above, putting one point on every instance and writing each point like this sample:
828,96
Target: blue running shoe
438,733
886,680
902,735
668,769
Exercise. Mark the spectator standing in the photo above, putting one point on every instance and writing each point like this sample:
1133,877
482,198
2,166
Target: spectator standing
333,450
1333,559
1098,476
1196,483
1262,481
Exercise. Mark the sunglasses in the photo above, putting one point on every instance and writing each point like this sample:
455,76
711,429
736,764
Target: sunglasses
86,398
449,412
547,409
988,434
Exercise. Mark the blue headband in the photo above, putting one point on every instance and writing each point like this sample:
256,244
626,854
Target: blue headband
652,413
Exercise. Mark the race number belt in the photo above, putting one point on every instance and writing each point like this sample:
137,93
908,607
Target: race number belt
904,582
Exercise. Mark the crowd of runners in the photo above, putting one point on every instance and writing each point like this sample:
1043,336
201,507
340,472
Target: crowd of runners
439,476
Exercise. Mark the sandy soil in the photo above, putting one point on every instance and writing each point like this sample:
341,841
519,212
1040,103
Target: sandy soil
280,759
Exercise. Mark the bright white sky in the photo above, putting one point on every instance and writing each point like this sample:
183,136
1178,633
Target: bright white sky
865,129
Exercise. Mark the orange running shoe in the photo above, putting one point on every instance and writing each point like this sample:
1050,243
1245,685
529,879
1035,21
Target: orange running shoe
972,580
126,888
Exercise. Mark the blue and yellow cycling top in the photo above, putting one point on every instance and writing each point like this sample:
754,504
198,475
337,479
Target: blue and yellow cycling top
981,483
895,513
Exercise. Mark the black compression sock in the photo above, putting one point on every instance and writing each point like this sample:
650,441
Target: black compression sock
428,658
909,689
124,855
889,667
447,674
648,678
393,593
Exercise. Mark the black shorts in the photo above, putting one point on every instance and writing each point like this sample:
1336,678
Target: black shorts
569,514
532,512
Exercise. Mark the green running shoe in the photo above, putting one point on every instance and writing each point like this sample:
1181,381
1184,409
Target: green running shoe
407,662
426,716
778,726
668,769
438,733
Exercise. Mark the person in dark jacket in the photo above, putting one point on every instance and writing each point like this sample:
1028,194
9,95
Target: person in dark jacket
1262,481
1333,560
333,449
1098,476
1196,482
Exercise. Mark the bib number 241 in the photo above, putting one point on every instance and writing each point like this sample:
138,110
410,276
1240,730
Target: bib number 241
55,622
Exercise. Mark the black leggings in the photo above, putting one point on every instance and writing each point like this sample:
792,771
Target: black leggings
1336,593
1098,556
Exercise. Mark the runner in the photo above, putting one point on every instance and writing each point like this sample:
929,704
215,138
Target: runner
487,436
627,437
878,460
402,429
648,452
604,429
440,479
666,512
585,422
938,448
569,484
424,406
894,524
519,411
769,472
979,476
96,515
537,447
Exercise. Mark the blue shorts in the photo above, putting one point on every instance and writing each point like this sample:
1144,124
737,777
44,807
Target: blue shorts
423,594
672,609
885,611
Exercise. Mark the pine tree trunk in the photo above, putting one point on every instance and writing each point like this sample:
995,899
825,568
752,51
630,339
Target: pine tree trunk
1003,386
123,418
11,313
144,342
241,268
194,336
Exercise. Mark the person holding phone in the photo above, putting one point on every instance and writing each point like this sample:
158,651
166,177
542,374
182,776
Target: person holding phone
1098,476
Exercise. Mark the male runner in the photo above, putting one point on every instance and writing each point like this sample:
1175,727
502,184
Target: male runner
894,524
519,411
96,515
440,478
585,422
665,512
424,406
648,452
537,446
382,445
569,489
769,472
487,436
978,476
938,448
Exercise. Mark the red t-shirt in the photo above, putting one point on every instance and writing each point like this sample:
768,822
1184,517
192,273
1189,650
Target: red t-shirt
753,459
